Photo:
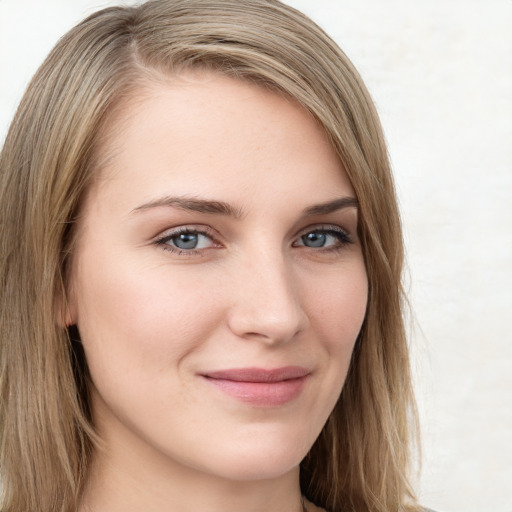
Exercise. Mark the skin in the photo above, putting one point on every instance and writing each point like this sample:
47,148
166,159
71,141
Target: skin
255,292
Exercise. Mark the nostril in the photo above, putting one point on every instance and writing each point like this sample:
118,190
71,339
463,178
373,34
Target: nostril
269,327
268,306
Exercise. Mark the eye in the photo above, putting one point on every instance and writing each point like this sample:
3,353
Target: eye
324,238
186,240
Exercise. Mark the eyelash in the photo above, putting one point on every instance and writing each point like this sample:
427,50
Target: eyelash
163,240
342,236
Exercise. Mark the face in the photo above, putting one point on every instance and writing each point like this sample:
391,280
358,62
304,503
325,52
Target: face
218,284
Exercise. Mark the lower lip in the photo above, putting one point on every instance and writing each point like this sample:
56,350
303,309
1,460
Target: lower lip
264,394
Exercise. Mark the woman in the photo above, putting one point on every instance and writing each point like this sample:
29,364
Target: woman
201,260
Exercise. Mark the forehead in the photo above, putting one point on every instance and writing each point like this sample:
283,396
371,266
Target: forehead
212,133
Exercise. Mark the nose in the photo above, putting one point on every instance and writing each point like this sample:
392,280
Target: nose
267,305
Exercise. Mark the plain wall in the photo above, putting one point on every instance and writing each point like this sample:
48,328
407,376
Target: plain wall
440,72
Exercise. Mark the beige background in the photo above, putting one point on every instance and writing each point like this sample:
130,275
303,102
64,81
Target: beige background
441,74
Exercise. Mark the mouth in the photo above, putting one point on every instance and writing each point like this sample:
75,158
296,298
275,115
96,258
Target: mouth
260,386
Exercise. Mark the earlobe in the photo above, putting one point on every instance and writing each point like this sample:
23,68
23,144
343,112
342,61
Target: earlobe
65,315
65,310
68,318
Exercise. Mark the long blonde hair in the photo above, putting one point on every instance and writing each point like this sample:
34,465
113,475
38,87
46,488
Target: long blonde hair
360,461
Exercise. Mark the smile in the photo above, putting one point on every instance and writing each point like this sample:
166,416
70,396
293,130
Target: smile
258,386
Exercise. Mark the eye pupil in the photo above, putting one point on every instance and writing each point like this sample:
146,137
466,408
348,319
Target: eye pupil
186,240
314,239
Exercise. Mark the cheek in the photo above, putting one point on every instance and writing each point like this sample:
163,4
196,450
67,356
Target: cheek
337,313
148,317
338,308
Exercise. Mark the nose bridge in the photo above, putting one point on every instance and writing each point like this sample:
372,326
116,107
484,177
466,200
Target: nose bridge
267,303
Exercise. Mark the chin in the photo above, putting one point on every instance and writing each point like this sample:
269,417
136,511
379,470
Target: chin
258,459
251,469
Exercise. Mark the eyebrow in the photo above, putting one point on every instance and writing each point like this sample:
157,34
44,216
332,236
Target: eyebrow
331,206
222,208
194,205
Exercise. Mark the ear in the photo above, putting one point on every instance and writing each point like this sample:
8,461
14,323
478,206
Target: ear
65,306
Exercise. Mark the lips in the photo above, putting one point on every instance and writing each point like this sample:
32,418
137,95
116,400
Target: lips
260,386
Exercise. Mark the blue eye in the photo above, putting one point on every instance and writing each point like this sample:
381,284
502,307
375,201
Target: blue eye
314,239
324,239
186,240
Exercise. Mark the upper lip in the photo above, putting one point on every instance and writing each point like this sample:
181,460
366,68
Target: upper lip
259,374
